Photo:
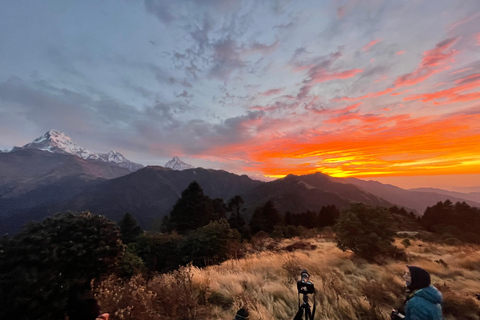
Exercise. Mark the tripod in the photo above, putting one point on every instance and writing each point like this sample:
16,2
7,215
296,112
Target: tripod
305,287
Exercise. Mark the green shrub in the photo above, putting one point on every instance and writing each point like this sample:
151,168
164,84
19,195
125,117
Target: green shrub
130,264
213,243
366,231
46,261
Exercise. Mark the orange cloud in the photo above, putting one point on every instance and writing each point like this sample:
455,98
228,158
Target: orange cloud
364,118
399,93
332,111
321,75
460,71
401,52
434,61
454,94
463,21
369,95
369,45
478,39
375,145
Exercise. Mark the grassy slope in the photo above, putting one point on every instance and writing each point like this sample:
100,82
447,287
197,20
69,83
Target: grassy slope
348,287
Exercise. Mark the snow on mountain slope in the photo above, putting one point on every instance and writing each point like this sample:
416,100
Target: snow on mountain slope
57,142
177,164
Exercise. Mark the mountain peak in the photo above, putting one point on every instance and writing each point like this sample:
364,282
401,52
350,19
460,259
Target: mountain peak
177,164
55,141
58,142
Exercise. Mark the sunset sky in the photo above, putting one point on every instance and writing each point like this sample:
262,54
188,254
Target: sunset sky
381,90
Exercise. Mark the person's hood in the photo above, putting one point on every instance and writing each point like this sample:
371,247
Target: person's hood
420,278
430,293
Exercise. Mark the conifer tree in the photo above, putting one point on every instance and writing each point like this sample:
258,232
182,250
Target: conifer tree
129,228
265,218
236,207
193,210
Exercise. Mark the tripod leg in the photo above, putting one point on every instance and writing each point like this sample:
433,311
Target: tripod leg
308,314
299,314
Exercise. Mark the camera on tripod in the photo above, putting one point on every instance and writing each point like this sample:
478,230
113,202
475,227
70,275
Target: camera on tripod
304,288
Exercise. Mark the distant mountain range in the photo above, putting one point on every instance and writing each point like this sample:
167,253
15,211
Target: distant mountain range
57,142
472,196
53,174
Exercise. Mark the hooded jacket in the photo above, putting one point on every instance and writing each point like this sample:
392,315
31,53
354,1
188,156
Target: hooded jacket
425,302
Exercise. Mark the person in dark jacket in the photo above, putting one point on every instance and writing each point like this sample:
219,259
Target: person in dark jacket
424,301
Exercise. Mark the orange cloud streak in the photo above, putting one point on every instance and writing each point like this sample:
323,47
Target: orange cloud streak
369,95
455,94
434,61
319,76
369,45
377,145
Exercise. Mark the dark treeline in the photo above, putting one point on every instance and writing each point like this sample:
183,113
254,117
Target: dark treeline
327,216
459,220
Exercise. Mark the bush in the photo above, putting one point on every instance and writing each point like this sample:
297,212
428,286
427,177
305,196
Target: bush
41,265
213,243
406,243
366,231
130,264
290,231
170,296
159,252
300,245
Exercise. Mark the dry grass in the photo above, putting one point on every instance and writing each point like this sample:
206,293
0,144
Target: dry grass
347,287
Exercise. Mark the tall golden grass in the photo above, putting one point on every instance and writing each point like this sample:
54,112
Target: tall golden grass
347,287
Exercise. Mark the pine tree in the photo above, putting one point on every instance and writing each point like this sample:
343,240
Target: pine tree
328,215
236,207
193,210
129,228
265,218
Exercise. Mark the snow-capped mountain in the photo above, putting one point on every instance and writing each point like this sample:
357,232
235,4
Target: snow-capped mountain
57,142
177,164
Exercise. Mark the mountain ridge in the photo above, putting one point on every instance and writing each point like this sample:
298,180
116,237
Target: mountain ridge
35,183
55,141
